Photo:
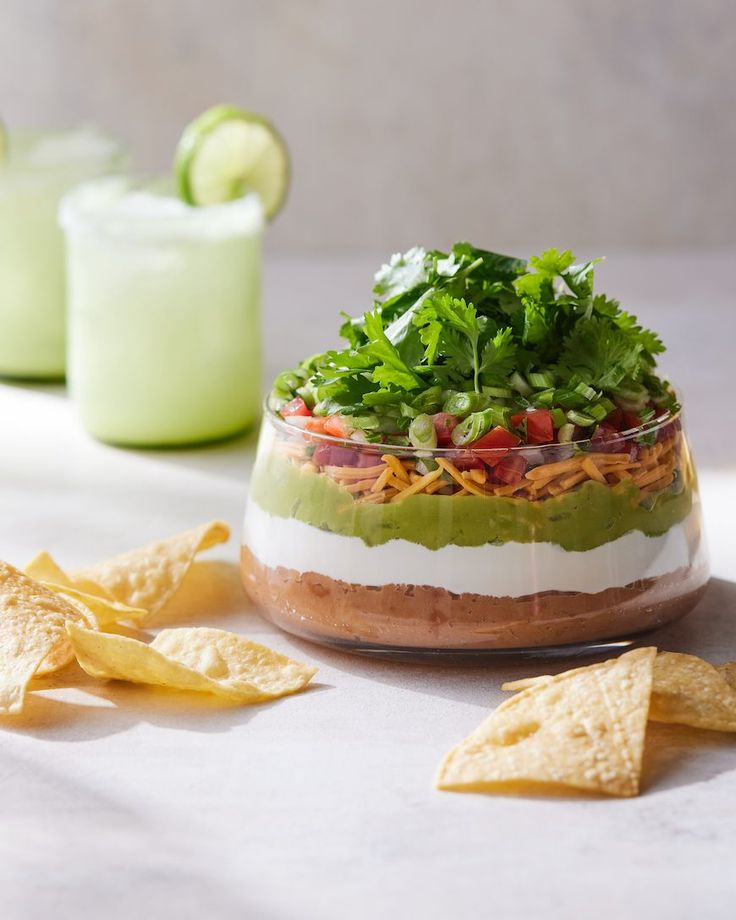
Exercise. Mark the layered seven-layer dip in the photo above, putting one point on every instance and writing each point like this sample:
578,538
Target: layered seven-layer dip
492,463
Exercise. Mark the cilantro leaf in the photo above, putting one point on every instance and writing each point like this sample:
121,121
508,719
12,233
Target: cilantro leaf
402,273
600,353
449,326
498,357
390,367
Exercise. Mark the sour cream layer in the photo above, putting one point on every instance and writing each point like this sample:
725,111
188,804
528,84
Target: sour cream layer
506,570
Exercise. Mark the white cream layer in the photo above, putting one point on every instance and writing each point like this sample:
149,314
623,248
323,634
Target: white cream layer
509,570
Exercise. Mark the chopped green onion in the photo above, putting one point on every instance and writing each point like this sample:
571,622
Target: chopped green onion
429,400
585,391
426,465
566,433
519,384
477,424
647,414
558,418
408,411
541,380
422,433
544,398
461,404
578,418
498,392
598,411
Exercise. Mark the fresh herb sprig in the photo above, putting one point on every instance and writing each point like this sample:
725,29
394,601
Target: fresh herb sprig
511,334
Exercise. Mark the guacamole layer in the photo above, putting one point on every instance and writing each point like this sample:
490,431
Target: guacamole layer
589,516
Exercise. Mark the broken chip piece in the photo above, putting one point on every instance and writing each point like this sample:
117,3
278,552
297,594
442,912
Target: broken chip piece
583,729
204,660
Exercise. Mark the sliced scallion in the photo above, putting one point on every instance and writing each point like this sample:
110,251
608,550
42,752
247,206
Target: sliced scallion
579,418
520,384
422,433
586,391
558,417
540,380
566,433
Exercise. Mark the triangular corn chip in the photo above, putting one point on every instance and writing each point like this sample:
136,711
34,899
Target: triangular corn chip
149,577
583,729
105,611
690,691
44,568
261,675
32,635
685,689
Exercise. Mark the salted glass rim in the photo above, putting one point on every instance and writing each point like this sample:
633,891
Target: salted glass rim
123,206
554,447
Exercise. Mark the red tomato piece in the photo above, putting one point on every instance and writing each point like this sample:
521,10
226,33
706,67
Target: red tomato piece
539,426
297,406
510,470
444,423
316,424
335,425
495,444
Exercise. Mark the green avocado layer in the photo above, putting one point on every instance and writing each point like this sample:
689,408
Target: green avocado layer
589,516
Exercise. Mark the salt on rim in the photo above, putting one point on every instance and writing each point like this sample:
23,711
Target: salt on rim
115,206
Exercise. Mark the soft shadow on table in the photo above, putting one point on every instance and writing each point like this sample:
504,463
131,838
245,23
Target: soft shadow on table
118,706
677,755
709,631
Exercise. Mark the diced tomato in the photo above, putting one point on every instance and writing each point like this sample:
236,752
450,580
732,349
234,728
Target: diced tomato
297,406
510,470
629,421
316,424
495,445
467,460
444,423
335,425
539,427
614,419
517,419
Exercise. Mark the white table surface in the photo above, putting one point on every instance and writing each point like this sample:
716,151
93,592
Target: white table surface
119,802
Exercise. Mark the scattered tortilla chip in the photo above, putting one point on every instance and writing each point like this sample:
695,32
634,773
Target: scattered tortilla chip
105,611
685,689
728,672
32,635
204,660
44,568
524,683
690,691
583,729
148,577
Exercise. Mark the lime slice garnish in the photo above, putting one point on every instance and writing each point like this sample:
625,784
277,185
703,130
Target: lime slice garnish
228,152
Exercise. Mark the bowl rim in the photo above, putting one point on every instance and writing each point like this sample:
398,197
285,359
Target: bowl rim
624,437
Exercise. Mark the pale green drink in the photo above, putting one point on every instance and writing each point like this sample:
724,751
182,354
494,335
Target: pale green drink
38,170
164,314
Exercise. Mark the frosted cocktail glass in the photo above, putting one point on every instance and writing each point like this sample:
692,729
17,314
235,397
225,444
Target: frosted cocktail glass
39,169
164,314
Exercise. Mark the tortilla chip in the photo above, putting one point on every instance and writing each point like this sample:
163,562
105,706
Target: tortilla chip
44,568
240,663
32,635
690,691
149,577
583,729
104,611
728,672
685,690
224,664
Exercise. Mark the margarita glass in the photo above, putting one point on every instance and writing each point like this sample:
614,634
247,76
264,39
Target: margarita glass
39,169
164,314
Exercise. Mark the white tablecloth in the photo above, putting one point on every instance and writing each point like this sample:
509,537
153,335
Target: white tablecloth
120,802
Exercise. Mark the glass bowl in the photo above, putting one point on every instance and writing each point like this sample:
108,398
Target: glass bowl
453,552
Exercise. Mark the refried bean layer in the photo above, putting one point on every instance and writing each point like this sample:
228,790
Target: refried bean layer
317,607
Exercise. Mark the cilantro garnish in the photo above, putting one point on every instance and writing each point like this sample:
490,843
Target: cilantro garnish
513,334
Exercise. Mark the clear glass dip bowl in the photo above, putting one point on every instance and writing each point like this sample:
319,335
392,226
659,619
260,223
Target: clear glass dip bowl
544,549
